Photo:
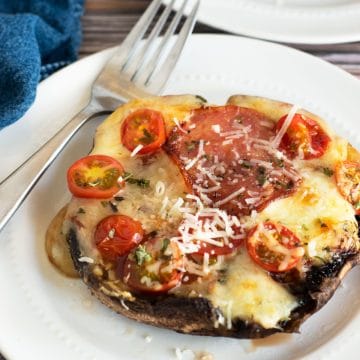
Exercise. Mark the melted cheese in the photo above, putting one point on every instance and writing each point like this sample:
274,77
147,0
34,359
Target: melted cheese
253,295
317,213
249,292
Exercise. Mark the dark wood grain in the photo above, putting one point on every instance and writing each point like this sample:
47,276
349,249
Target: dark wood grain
107,22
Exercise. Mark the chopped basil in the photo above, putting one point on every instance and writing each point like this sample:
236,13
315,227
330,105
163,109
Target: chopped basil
202,99
119,198
321,223
357,205
279,162
246,164
191,145
141,255
222,273
81,211
104,203
304,227
328,172
165,244
143,183
148,138
113,207
261,176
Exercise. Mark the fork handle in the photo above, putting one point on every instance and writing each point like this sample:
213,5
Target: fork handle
16,187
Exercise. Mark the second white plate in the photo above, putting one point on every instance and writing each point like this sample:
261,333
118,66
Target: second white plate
293,21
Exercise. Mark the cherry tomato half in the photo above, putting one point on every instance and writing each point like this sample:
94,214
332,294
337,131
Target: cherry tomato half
154,267
116,235
94,176
274,247
303,137
143,127
348,182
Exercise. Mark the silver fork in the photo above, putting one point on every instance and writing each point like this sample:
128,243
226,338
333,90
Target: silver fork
131,72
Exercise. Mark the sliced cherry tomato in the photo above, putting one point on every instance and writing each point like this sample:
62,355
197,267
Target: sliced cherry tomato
116,235
274,247
348,182
143,127
94,176
304,137
154,267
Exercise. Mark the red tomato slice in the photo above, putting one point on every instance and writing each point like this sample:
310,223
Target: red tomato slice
348,182
304,137
94,176
274,247
154,267
116,235
143,127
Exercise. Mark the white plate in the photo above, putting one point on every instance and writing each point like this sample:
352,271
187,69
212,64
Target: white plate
44,315
294,21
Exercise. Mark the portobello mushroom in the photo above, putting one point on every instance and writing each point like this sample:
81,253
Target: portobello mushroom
314,208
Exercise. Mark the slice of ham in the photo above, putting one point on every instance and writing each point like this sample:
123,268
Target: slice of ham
227,159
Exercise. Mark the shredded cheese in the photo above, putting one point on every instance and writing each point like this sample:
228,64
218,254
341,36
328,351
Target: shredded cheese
136,150
276,141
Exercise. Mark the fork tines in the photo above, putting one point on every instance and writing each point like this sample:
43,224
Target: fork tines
142,59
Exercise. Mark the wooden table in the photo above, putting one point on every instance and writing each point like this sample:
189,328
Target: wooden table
107,22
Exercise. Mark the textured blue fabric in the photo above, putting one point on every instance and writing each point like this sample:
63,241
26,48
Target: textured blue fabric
37,37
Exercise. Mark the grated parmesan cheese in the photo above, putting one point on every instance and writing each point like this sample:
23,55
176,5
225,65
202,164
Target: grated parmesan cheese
136,150
290,116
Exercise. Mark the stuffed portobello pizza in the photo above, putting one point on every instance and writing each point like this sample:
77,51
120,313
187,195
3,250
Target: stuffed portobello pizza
237,220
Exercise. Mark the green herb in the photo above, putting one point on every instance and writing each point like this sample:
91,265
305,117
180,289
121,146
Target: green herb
173,137
119,198
357,205
143,183
321,223
222,276
113,207
152,234
304,227
328,172
104,203
261,177
202,99
320,259
165,244
148,138
327,249
246,164
191,145
81,211
279,162
141,255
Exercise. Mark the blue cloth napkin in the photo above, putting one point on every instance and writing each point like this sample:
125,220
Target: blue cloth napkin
37,37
